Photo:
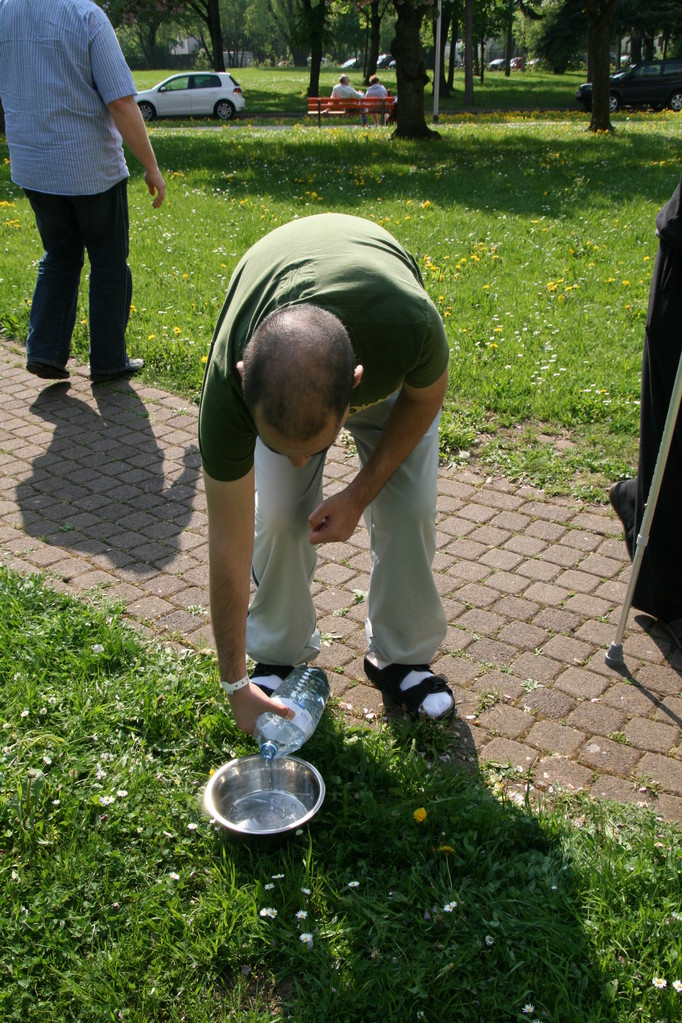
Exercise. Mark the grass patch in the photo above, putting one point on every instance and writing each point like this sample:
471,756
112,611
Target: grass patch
536,241
420,892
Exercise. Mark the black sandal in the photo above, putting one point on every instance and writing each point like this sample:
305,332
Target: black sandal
388,680
263,670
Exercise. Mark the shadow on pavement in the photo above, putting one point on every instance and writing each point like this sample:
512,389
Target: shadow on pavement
101,487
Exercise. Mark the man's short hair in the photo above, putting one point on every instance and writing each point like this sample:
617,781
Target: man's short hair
298,371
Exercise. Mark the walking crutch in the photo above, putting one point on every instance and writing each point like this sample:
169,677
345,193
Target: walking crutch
614,656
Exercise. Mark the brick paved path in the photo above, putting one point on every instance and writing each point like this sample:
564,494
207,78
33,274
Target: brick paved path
101,488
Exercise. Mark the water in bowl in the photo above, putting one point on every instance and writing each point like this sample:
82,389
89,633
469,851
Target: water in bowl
267,811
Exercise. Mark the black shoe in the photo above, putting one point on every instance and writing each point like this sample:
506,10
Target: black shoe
132,366
388,680
45,372
622,500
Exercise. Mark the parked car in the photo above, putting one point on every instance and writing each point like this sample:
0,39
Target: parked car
385,60
200,94
497,64
656,83
352,62
517,64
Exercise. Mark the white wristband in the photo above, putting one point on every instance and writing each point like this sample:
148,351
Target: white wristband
232,687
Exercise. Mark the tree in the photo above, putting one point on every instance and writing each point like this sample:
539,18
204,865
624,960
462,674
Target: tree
469,53
563,33
313,22
410,71
209,13
507,13
144,18
286,15
599,17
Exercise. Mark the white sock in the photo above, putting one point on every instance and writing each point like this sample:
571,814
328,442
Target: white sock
270,682
432,705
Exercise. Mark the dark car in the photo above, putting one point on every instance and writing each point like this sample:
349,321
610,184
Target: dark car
657,84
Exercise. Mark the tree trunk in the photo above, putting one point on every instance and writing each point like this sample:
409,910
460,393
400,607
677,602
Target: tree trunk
453,45
481,70
314,17
209,12
410,72
374,39
469,54
445,15
508,48
216,35
599,14
2,119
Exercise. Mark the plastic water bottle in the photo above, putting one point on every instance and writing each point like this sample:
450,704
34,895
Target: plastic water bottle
305,690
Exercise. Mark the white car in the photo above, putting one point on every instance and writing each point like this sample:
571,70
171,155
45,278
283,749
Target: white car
195,94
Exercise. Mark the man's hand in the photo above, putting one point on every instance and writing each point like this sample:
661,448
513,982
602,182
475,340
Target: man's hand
249,702
156,186
335,519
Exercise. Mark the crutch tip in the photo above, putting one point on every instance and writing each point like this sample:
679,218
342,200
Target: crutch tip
614,655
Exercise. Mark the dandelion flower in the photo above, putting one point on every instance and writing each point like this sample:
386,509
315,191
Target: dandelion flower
449,907
445,849
419,814
660,982
268,911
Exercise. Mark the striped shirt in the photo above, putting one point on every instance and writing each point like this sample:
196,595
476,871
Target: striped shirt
60,65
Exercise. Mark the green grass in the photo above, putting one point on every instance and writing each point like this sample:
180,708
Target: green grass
120,900
536,241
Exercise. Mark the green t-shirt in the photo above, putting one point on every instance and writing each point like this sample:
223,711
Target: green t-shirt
348,266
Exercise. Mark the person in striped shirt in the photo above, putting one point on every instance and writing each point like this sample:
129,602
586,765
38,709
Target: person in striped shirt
68,97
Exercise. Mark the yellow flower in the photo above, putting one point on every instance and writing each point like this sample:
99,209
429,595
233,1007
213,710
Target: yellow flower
445,849
419,815
150,337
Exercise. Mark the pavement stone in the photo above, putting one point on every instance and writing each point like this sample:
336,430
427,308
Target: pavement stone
102,491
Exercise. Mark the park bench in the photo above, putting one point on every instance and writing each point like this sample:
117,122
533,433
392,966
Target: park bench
332,106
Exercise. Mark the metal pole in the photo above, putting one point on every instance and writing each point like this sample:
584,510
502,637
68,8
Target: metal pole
614,656
436,65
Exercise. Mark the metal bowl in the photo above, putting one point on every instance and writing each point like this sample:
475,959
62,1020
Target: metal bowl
254,798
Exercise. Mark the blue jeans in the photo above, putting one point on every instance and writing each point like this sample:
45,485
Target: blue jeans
68,225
